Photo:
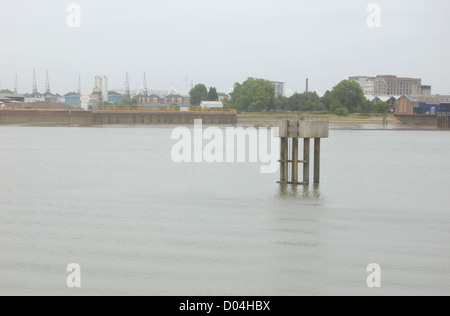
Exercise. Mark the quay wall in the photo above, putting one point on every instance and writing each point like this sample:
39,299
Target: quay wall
94,118
418,120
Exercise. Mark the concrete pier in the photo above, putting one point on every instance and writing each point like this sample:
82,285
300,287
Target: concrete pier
444,120
290,132
316,160
94,118
306,154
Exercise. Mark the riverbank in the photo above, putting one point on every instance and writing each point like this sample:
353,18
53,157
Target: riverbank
353,121
273,118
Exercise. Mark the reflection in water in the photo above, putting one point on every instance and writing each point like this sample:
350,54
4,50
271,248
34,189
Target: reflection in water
305,191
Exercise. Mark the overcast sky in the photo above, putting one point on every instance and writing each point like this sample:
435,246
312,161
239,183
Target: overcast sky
220,42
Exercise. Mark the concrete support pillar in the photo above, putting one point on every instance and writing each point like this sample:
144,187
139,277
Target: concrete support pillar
306,154
284,160
294,160
316,160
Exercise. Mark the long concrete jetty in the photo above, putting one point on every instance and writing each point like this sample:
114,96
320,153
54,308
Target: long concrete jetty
94,118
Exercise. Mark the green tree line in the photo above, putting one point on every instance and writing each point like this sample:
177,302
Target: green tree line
200,93
258,95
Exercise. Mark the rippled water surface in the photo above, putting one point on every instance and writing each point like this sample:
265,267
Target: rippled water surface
112,200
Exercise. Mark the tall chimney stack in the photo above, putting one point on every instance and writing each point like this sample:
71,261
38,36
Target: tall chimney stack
307,85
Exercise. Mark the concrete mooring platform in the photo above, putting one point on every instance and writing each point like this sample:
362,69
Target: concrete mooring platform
290,132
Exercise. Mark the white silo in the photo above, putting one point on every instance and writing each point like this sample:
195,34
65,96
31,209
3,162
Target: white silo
101,85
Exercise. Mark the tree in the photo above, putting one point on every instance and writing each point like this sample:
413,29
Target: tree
327,99
382,107
212,95
127,102
350,95
280,103
336,104
198,94
292,103
254,95
341,111
310,101
307,101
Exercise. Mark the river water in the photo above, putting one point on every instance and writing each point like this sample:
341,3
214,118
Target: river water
112,201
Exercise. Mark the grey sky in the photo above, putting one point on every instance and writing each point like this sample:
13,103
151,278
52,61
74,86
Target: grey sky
219,42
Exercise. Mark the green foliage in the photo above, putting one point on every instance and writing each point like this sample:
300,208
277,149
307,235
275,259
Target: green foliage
336,104
350,95
309,101
126,102
227,104
382,107
198,94
327,99
342,111
254,95
212,95
280,103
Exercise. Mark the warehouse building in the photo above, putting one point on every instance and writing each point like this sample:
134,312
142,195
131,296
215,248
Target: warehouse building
11,97
73,99
391,85
420,104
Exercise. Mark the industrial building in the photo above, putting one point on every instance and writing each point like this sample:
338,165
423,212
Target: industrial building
155,100
148,99
445,107
101,88
73,99
388,99
391,85
114,97
176,99
420,104
34,97
35,106
11,97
